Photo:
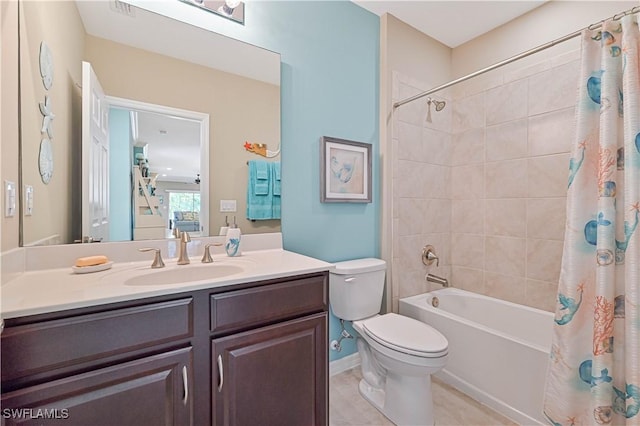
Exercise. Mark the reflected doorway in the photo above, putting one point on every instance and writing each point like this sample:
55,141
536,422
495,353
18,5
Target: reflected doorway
156,151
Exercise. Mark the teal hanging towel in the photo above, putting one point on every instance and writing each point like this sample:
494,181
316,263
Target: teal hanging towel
259,191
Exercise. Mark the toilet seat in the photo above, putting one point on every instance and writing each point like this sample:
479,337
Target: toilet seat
406,335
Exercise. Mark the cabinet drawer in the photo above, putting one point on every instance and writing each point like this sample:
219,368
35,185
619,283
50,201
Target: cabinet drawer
258,305
68,341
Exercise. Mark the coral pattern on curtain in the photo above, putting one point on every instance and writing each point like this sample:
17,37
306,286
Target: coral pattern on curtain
594,370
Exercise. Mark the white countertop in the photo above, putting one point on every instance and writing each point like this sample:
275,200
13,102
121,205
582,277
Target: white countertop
57,289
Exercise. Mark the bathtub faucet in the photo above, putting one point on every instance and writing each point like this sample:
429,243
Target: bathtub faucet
438,280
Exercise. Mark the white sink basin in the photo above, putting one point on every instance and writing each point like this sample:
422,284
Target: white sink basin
184,274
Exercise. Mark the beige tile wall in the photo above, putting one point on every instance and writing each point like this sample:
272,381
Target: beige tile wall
485,182
508,211
421,189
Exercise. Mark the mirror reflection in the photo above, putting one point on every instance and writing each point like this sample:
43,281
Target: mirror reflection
176,113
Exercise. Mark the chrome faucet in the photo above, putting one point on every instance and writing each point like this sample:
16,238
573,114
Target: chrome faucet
438,280
183,256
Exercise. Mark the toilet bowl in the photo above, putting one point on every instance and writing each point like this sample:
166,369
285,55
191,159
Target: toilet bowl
398,354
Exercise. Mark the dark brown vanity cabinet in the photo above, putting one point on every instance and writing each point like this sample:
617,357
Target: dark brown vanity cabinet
271,375
246,354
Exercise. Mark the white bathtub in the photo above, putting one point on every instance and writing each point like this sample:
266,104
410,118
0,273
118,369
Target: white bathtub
498,351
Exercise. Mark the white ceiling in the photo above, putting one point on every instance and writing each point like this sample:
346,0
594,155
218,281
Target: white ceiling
452,22
173,145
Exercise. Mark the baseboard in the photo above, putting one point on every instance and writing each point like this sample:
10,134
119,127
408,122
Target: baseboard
344,364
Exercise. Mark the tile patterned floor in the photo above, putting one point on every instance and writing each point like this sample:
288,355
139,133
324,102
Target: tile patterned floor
452,408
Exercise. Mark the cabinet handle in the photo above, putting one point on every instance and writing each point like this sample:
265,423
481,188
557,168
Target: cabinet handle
220,369
185,384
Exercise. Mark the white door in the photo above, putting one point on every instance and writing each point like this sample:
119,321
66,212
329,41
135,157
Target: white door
95,158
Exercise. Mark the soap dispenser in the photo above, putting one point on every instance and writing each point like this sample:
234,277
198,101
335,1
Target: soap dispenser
232,241
224,229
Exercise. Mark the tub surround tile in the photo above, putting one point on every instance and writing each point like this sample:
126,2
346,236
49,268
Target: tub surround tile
504,217
507,102
413,112
554,89
435,216
467,182
547,176
410,142
551,133
467,250
486,182
527,70
478,84
541,294
410,175
467,216
505,179
505,255
506,141
411,215
412,283
410,251
505,287
468,279
468,113
544,259
434,181
567,57
442,243
468,147
440,120
436,147
546,218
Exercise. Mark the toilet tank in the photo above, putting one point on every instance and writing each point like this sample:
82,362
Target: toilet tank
356,288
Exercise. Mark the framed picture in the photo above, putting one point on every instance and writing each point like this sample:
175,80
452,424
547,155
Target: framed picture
345,171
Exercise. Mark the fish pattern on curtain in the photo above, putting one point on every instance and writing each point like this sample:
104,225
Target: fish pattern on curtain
594,369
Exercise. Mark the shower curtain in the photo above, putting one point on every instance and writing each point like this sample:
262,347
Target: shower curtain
594,370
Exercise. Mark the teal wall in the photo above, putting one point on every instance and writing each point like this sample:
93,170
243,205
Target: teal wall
119,175
330,87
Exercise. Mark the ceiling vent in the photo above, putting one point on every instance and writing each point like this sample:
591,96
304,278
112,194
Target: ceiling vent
123,8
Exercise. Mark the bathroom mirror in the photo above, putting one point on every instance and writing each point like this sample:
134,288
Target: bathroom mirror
163,79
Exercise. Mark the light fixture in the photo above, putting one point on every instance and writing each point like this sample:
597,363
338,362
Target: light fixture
230,9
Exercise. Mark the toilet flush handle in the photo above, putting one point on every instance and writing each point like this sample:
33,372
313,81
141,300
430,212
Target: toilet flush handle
350,279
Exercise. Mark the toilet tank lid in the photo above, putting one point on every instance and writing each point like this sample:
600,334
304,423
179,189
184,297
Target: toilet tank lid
358,266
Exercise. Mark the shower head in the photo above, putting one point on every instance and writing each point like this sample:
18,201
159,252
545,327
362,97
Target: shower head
438,104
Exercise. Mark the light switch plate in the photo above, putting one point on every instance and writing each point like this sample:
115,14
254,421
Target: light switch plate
228,206
28,200
9,198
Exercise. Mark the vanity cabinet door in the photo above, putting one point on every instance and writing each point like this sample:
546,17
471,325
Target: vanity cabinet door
155,390
274,375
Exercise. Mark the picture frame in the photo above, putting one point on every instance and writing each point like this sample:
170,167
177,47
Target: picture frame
345,171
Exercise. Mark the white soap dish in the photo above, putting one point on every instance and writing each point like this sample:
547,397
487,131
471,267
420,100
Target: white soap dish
93,268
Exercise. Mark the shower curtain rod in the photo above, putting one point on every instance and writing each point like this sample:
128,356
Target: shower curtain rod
529,52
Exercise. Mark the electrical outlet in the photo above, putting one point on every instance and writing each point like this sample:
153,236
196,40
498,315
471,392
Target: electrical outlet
9,198
228,206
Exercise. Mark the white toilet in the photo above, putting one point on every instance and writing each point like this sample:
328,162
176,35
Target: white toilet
398,354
